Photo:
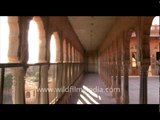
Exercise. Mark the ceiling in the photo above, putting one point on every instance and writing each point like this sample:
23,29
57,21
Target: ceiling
91,30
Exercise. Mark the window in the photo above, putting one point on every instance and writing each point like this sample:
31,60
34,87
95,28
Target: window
28,94
36,41
53,49
33,42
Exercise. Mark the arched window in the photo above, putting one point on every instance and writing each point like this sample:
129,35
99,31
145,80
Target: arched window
33,42
28,94
156,20
154,30
54,48
154,45
36,41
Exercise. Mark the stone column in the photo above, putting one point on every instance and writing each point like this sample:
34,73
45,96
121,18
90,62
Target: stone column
68,69
106,69
44,84
126,62
143,83
64,76
143,36
69,63
126,82
102,66
110,69
65,70
18,52
59,60
18,89
101,69
119,84
1,84
75,69
13,40
114,70
119,67
44,99
59,79
144,63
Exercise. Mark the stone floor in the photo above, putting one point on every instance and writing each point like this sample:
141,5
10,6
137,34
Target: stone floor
92,91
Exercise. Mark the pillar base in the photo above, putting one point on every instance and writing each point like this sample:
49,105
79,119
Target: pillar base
125,100
143,83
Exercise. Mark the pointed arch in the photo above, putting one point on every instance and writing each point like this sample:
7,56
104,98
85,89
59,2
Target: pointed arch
36,41
55,48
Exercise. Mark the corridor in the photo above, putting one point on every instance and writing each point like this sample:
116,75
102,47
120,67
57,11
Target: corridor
111,59
92,91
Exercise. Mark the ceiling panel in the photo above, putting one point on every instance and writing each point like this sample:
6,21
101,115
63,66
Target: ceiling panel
91,30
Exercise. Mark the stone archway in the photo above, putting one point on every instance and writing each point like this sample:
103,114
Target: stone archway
54,78
36,41
42,39
9,39
154,46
